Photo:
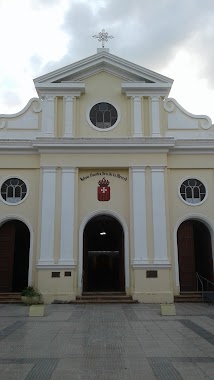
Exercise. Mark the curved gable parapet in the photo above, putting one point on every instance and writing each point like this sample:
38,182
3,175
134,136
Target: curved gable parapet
179,118
24,119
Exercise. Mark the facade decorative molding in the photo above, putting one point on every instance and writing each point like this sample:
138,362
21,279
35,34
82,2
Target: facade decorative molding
102,62
155,115
67,216
56,267
139,215
47,216
146,89
204,122
141,265
68,115
138,116
60,89
34,104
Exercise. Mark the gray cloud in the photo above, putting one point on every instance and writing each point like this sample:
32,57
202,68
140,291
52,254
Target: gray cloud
146,32
149,33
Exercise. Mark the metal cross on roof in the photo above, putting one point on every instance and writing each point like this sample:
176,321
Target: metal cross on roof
103,36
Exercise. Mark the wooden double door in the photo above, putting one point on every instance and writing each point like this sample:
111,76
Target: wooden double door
14,256
194,254
103,256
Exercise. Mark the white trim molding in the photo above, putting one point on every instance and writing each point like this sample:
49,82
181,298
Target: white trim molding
139,216
137,116
48,122
68,115
47,217
159,215
155,110
102,100
67,217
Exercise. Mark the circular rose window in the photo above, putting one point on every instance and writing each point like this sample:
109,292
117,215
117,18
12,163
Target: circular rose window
103,115
13,190
192,191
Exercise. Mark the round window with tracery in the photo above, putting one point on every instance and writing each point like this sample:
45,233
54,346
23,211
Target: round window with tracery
103,115
13,190
192,191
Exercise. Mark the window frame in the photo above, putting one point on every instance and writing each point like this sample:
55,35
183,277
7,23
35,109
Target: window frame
19,178
103,129
198,179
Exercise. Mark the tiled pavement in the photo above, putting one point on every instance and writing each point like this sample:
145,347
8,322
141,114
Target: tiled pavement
107,342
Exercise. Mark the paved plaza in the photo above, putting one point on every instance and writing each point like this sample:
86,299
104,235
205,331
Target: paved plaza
107,342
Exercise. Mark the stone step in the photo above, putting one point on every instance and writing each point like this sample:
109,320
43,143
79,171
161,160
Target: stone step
10,298
189,297
104,297
99,301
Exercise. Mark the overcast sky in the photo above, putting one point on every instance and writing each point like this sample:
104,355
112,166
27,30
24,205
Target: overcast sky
173,37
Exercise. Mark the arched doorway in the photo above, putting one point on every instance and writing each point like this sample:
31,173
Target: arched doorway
14,256
194,253
103,255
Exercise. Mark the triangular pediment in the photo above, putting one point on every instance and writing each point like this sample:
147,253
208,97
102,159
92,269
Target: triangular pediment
102,62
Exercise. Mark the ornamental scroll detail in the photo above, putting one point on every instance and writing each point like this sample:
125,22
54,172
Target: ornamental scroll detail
183,116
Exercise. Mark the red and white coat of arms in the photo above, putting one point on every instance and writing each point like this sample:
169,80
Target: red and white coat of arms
103,190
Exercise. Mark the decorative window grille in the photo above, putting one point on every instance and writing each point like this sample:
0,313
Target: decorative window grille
193,191
13,190
103,115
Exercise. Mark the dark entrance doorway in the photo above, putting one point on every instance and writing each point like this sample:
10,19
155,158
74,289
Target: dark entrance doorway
14,256
194,254
103,257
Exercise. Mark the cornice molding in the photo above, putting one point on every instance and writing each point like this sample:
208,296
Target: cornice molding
146,89
103,60
60,89
107,145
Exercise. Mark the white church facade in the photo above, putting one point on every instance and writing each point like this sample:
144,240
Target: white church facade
106,185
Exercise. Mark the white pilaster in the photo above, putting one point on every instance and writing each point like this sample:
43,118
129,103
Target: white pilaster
139,217
48,116
68,115
159,216
155,109
67,217
138,127
47,217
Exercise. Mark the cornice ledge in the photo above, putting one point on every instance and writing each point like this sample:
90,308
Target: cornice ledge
194,144
145,89
16,144
65,88
105,142
56,266
152,266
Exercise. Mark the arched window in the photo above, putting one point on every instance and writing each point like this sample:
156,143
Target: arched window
13,190
103,115
193,191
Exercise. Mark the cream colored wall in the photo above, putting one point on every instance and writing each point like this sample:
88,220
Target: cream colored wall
98,88
59,288
119,188
153,290
103,160
27,211
179,210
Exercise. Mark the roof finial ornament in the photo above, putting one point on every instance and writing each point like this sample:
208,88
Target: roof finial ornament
103,36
